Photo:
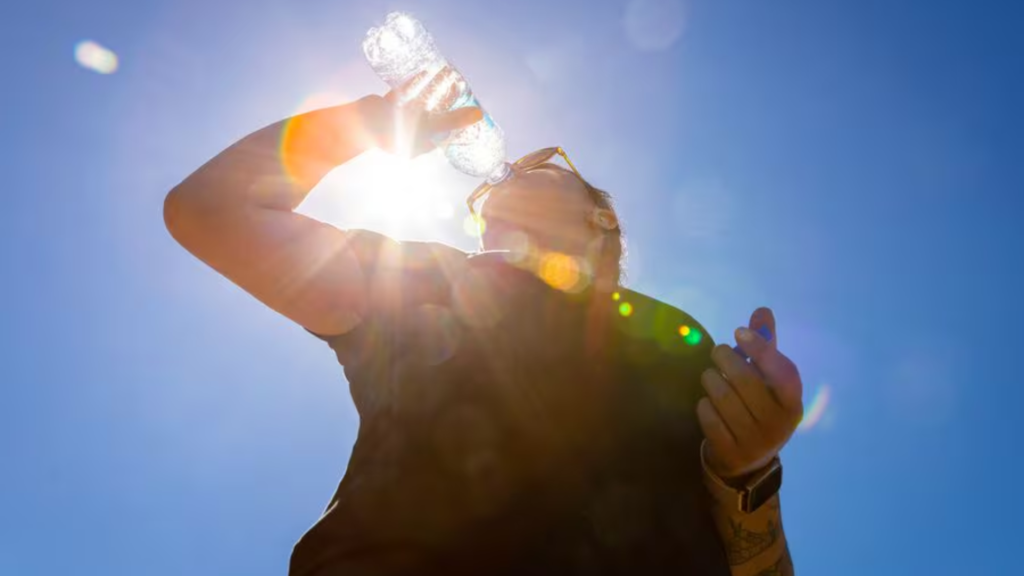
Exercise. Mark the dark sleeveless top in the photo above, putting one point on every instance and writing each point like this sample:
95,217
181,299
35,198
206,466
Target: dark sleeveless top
510,428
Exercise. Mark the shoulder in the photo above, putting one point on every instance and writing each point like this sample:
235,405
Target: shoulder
642,317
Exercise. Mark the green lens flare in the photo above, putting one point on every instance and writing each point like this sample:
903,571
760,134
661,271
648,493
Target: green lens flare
625,308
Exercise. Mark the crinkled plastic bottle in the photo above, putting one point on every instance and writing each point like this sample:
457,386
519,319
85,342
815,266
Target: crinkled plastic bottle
402,50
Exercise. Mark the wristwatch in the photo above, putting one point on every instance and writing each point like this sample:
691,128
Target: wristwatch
752,493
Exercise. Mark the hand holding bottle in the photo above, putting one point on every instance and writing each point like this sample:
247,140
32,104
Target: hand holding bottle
404,55
408,129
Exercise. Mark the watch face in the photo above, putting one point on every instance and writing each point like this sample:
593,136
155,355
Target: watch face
763,489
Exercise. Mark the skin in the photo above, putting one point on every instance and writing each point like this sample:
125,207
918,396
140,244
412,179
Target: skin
549,205
750,413
237,214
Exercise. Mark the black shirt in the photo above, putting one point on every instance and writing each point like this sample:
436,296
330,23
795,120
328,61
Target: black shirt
507,427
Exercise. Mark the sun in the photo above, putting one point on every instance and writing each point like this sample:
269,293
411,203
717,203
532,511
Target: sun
394,195
394,186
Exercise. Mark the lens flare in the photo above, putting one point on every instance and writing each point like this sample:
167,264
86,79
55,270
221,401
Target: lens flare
474,225
301,145
691,336
560,271
626,309
520,250
305,144
654,25
815,410
95,57
616,296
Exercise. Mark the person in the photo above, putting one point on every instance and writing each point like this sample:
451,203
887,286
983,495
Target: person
517,416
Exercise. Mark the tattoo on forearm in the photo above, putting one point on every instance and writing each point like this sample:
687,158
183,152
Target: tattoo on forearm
743,544
782,567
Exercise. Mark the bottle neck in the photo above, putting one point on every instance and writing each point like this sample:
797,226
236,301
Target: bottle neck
500,174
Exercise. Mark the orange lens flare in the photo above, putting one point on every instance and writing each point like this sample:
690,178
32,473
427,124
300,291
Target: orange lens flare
560,271
308,140
300,145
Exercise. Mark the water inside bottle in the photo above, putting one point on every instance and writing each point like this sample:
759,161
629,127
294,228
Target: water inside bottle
477,150
403,54
399,49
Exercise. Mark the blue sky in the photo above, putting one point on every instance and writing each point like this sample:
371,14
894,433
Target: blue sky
856,166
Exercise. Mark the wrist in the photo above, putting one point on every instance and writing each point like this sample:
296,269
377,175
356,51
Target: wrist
733,476
746,492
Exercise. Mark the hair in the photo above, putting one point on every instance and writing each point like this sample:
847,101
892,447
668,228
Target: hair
611,261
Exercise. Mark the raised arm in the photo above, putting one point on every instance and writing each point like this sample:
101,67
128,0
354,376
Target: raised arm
755,543
750,413
236,212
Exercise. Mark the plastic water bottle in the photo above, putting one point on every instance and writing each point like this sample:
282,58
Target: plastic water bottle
402,50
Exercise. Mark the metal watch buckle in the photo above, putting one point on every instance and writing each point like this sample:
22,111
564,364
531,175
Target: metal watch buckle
760,489
755,491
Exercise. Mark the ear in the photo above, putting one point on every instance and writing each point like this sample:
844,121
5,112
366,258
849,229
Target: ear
604,219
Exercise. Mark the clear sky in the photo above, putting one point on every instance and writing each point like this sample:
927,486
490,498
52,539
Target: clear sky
858,166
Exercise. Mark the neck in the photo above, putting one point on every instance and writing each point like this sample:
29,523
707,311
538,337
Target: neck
573,273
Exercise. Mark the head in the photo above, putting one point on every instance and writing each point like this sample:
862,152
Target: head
551,210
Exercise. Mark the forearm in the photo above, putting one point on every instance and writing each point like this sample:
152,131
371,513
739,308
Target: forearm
755,543
277,166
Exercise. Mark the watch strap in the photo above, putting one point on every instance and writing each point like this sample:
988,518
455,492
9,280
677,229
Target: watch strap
755,491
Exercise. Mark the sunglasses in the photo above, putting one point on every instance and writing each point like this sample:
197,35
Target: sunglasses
529,162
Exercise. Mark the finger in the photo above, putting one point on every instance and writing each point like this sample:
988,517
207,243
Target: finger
764,319
729,405
407,130
747,382
779,372
454,120
714,427
401,94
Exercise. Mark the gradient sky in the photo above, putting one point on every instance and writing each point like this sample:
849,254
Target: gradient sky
858,166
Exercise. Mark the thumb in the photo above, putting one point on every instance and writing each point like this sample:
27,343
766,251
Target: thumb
762,321
761,333
757,345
